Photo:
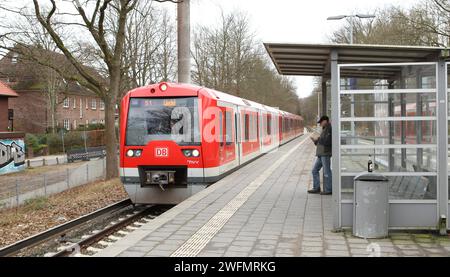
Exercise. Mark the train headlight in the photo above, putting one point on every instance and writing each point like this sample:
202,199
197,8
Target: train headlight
134,153
163,87
189,153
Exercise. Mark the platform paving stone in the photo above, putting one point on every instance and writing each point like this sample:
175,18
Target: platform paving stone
279,218
336,253
336,247
311,254
413,253
359,251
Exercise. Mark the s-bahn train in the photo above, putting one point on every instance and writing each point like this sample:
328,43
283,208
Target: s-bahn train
175,139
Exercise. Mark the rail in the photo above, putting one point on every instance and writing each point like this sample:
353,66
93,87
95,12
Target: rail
61,229
98,236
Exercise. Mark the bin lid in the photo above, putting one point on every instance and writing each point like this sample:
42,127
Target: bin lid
371,177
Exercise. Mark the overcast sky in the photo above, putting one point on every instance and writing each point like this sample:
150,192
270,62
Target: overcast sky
289,20
301,21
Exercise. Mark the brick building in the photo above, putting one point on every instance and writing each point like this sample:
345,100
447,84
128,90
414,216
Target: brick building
6,95
75,106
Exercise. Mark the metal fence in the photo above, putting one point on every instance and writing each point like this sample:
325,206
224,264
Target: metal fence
16,190
45,160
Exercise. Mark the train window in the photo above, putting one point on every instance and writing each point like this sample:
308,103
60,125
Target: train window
263,124
151,119
251,130
255,124
246,127
269,125
254,128
220,127
228,128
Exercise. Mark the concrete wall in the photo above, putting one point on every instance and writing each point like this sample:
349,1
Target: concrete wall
12,154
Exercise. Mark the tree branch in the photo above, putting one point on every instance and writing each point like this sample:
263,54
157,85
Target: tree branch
46,23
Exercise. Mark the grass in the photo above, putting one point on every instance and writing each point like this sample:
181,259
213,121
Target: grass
36,204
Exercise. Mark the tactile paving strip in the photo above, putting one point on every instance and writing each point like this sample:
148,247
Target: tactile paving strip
195,244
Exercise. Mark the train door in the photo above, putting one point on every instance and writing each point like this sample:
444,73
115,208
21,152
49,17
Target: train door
222,154
261,132
237,124
229,159
275,130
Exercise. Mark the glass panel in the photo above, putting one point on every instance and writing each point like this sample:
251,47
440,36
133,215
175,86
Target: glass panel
400,187
448,76
389,160
406,102
246,127
389,77
228,127
163,119
220,127
378,132
388,105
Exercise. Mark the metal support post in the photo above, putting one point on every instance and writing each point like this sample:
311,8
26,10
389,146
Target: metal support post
184,42
324,98
45,185
67,178
335,122
442,153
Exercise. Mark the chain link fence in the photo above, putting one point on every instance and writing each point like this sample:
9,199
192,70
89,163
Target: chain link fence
18,189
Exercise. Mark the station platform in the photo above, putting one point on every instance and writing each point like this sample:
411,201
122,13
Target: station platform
263,210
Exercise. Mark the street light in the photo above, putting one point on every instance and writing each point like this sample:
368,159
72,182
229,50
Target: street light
352,18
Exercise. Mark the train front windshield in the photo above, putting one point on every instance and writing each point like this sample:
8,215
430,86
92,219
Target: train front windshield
151,119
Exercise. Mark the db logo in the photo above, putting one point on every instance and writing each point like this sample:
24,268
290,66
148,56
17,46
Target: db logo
162,152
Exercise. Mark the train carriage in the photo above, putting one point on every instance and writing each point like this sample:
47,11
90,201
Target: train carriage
178,138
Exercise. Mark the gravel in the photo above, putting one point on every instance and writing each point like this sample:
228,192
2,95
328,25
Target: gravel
43,213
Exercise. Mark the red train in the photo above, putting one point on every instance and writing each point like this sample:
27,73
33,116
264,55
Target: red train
428,129
177,138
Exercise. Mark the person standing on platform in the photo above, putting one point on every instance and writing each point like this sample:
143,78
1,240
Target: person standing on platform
323,153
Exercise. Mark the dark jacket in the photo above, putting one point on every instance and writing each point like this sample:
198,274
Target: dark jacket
324,143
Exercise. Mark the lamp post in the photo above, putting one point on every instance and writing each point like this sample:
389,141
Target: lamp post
352,20
184,39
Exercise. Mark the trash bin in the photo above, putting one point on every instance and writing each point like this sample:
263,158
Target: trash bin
371,208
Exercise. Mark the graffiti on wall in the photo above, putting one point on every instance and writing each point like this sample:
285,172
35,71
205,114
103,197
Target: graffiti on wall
12,155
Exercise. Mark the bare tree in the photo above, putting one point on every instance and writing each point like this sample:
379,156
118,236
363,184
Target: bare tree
395,26
150,53
79,28
224,54
228,58
40,44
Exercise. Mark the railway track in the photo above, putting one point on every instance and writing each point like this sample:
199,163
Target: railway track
61,232
107,234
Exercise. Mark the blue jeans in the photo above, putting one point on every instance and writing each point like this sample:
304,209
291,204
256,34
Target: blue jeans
325,162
